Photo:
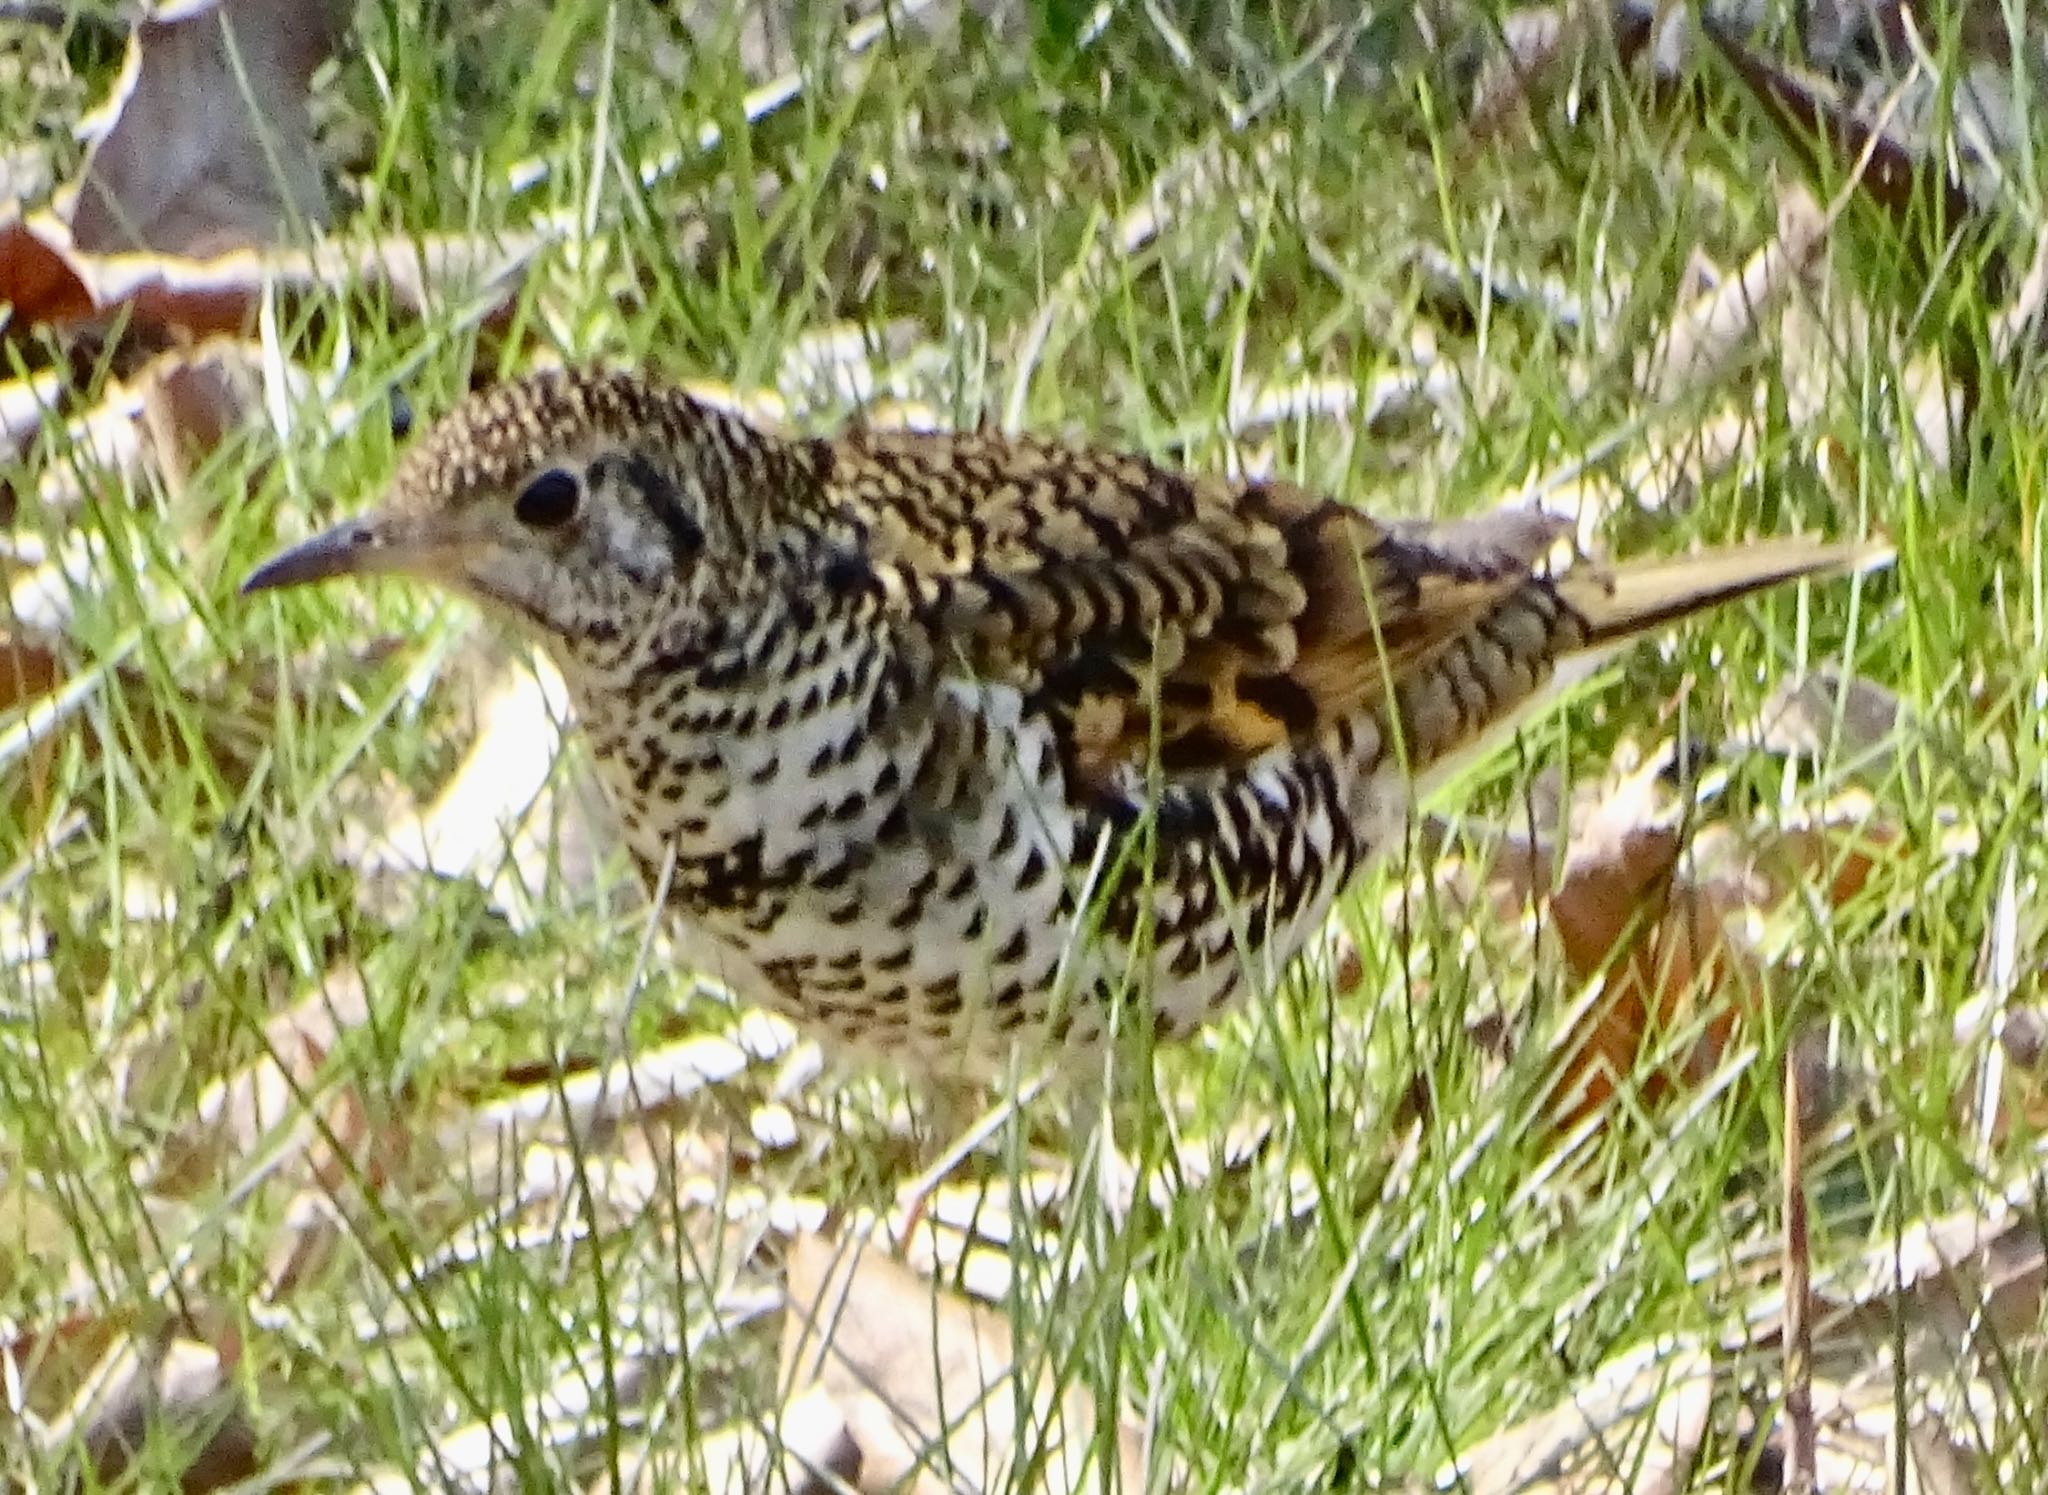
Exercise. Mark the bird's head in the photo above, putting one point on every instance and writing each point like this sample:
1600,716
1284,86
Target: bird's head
574,500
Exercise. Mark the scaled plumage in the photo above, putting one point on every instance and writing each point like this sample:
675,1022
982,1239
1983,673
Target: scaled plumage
944,742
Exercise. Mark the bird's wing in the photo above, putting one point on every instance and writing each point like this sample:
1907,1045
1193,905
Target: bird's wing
1143,611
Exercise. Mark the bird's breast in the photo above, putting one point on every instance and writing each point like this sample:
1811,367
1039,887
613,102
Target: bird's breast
882,862
904,869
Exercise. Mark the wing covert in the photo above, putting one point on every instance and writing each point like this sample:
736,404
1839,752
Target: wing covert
1142,609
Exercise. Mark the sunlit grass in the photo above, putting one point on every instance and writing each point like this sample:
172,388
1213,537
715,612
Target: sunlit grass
1126,241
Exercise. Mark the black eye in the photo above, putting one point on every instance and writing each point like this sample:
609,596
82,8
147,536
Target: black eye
548,500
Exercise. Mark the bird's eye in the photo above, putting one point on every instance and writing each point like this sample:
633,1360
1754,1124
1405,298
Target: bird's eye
549,500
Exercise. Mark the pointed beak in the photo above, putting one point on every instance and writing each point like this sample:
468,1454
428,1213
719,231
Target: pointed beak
372,545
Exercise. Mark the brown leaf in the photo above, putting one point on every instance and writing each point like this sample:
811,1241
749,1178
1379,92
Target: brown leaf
584,1096
1836,853
193,400
51,282
175,409
1652,918
30,671
1955,1282
50,1361
152,727
142,1384
1619,910
306,1243
925,1379
37,281
210,146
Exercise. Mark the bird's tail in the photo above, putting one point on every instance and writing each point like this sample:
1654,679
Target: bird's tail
1464,701
1619,602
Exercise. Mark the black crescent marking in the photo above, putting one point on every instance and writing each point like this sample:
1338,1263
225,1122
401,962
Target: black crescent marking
665,503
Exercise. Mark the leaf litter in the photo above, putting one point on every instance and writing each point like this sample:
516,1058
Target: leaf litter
886,1375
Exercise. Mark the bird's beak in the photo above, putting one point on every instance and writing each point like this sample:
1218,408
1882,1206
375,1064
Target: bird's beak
371,545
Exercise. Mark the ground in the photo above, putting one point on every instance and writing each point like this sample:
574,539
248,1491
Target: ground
320,1154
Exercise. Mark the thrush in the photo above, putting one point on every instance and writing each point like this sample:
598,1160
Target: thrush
946,744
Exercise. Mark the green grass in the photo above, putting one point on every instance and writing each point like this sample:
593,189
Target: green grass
963,204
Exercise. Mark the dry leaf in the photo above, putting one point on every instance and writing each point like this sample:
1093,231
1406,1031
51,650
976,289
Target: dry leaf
37,282
805,1449
2008,1093
925,1379
50,282
1621,910
31,669
195,399
1657,924
1853,720
1634,1428
1858,1433
141,1384
307,1242
605,1095
1709,340
1977,1276
174,411
528,836
1708,337
573,1416
210,146
1907,186
284,1090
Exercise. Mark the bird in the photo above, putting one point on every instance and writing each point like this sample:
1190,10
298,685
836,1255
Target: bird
951,746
